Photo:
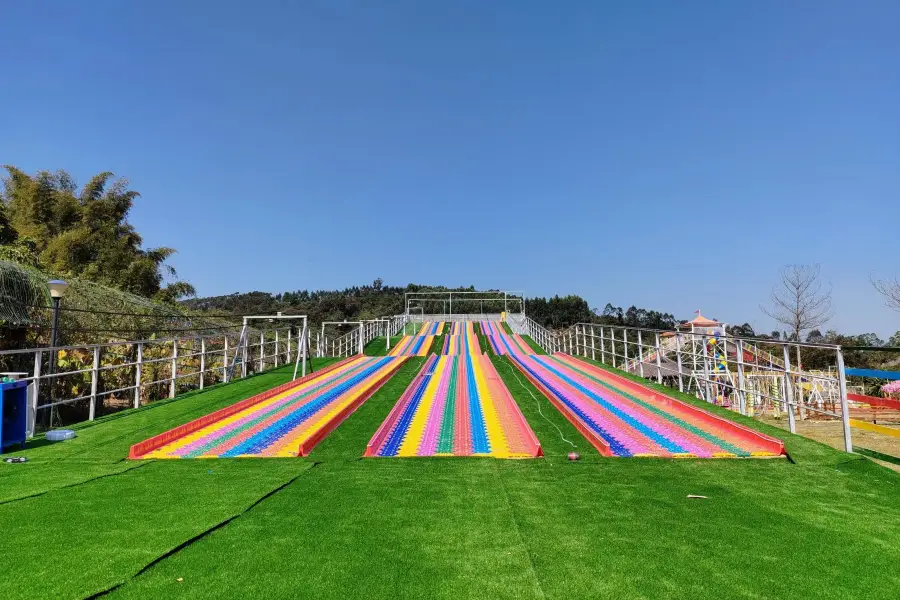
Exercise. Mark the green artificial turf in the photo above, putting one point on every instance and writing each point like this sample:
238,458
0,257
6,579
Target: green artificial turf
821,525
77,541
378,346
437,345
482,340
533,344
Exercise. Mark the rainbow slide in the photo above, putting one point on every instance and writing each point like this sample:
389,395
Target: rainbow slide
419,344
502,342
288,420
623,418
456,406
461,340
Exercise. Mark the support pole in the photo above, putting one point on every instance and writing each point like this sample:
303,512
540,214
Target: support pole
245,349
659,378
262,351
225,360
706,375
612,345
35,390
678,358
845,409
138,374
788,391
173,371
202,360
602,347
742,396
95,376
640,353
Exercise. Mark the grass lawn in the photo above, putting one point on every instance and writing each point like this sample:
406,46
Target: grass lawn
821,525
533,344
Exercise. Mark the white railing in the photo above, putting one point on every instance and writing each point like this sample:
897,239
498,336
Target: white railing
354,341
69,383
543,337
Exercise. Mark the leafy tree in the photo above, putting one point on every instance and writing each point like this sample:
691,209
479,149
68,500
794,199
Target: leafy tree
46,222
745,330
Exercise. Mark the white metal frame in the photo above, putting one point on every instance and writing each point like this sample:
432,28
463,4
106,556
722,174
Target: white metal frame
515,297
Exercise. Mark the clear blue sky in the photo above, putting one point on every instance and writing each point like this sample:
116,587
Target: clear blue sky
672,155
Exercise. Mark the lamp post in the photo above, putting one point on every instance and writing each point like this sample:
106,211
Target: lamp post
57,291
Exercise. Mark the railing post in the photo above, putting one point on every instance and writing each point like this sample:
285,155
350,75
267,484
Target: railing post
659,378
640,353
845,409
303,344
262,351
202,360
602,347
138,374
289,346
245,353
678,358
788,391
276,348
593,344
225,360
174,369
95,375
742,397
612,345
35,390
706,375
625,348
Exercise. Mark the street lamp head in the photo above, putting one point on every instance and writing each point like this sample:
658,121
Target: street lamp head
58,288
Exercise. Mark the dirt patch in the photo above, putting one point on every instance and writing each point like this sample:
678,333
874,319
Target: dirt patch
832,433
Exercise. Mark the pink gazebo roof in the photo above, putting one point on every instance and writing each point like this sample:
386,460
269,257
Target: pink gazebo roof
701,321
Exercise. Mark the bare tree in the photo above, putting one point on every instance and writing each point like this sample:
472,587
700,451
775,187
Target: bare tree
798,300
890,289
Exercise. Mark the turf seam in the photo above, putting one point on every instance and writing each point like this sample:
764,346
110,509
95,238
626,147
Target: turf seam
201,535
515,520
72,485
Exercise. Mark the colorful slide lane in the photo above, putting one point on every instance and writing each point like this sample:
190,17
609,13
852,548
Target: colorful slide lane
286,421
432,328
623,418
456,406
419,344
461,340
413,345
502,342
